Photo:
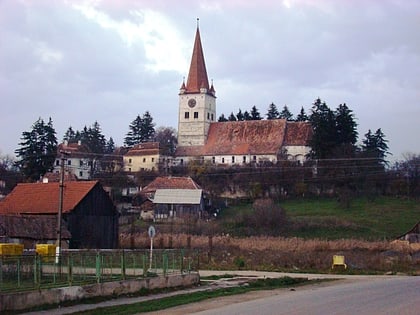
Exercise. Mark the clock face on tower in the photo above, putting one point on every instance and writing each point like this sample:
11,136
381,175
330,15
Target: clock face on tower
191,102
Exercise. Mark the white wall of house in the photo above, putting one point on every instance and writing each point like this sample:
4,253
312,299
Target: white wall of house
80,167
297,153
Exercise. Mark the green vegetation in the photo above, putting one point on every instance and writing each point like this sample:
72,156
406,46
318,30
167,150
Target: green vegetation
382,218
167,302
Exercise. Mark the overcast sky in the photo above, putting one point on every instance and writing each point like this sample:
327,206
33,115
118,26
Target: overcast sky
108,61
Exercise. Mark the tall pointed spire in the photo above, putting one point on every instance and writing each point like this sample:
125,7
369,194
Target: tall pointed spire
197,77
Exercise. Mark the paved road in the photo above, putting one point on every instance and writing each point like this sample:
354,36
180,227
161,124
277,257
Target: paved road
368,295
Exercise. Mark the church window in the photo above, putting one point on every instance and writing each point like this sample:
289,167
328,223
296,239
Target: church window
195,115
187,115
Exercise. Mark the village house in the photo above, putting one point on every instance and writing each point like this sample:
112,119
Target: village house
180,190
88,212
143,156
201,138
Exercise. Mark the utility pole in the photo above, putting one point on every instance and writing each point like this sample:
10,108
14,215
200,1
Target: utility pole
60,205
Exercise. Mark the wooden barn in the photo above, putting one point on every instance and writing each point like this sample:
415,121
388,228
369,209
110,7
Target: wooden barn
88,212
30,230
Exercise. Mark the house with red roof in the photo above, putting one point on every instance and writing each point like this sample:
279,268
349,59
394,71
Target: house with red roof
200,137
88,212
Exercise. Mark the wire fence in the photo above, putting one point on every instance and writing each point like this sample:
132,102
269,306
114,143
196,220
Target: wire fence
77,267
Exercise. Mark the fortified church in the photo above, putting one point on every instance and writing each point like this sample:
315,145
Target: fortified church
201,137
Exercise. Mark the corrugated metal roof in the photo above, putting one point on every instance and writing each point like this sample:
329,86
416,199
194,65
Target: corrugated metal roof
178,196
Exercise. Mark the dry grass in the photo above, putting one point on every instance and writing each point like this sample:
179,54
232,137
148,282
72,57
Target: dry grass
277,253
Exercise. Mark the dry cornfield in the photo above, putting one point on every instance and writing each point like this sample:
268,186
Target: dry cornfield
277,253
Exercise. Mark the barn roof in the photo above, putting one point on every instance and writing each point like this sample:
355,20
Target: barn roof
178,196
43,198
39,227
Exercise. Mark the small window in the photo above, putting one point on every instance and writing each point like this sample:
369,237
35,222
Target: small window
233,160
57,162
223,160
244,159
81,163
182,161
80,174
195,115
129,160
186,115
254,158
68,162
129,169
213,159
153,159
208,116
144,160
212,117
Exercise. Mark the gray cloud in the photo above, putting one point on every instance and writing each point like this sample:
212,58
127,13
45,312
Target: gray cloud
57,61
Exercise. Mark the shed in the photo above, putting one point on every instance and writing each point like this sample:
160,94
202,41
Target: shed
178,203
88,211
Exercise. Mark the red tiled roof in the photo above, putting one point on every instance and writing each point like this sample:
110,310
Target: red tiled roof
298,133
147,148
171,183
197,77
250,137
43,198
55,177
74,149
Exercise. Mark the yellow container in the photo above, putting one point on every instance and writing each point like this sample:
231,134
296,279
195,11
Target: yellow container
45,249
11,249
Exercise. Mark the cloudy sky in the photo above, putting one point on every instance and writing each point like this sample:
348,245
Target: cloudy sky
108,61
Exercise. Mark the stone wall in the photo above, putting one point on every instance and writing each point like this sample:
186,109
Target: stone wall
26,300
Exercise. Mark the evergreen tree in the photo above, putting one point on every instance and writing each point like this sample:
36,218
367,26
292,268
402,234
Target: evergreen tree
286,114
255,114
302,115
324,136
240,115
70,136
133,136
346,125
272,112
93,138
110,146
247,116
38,150
375,145
222,118
232,117
147,127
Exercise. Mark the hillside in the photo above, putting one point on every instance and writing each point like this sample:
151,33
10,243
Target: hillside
382,218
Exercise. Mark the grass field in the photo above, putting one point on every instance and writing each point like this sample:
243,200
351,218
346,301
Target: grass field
382,218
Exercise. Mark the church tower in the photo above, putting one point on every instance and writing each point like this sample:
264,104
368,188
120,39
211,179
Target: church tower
197,101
